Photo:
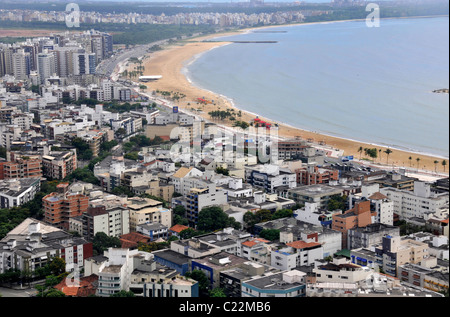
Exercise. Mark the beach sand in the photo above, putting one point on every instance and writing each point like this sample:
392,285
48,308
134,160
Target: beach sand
170,62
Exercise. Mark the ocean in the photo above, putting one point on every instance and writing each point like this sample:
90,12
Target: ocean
341,78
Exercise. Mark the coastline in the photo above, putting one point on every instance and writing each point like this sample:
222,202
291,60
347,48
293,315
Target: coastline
172,61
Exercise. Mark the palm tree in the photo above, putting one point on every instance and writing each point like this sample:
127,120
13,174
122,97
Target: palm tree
444,163
388,151
418,160
435,165
360,151
410,160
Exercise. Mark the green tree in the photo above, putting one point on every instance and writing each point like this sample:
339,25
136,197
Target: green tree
102,242
435,165
270,234
388,152
188,233
249,221
263,215
123,293
57,266
201,278
444,163
223,171
211,219
217,292
282,213
337,202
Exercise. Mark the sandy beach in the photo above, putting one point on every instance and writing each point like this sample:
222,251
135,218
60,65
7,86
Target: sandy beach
170,61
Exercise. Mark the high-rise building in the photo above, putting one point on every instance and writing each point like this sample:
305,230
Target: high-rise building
21,64
62,205
2,62
46,66
84,63
64,60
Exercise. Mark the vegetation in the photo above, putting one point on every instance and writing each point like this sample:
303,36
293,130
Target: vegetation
83,151
223,171
241,124
270,234
337,202
217,292
200,277
12,217
179,215
102,242
214,218
263,215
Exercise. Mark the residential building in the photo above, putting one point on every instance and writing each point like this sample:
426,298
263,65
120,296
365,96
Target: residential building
270,177
255,249
312,174
284,284
310,213
16,192
200,198
417,203
293,230
340,270
46,66
358,216
58,165
370,235
320,194
155,231
22,167
296,254
157,281
213,265
146,210
33,244
193,248
379,203
114,221
231,280
396,251
115,274
62,205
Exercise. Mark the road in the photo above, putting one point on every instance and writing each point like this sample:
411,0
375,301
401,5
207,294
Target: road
9,292
106,67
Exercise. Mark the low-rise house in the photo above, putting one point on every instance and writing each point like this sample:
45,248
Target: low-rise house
33,244
283,284
16,192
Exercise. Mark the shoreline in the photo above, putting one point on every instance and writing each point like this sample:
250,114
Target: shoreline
171,63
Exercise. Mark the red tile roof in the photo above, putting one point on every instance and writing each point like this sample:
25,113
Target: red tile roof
86,286
302,244
132,239
178,228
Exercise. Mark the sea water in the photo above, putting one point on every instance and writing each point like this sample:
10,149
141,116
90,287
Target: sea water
371,84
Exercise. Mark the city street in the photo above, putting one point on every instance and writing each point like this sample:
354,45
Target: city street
9,292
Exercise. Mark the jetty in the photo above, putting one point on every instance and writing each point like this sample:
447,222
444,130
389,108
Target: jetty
244,42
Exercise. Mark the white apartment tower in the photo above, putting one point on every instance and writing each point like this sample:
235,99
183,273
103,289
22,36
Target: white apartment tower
46,66
21,64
